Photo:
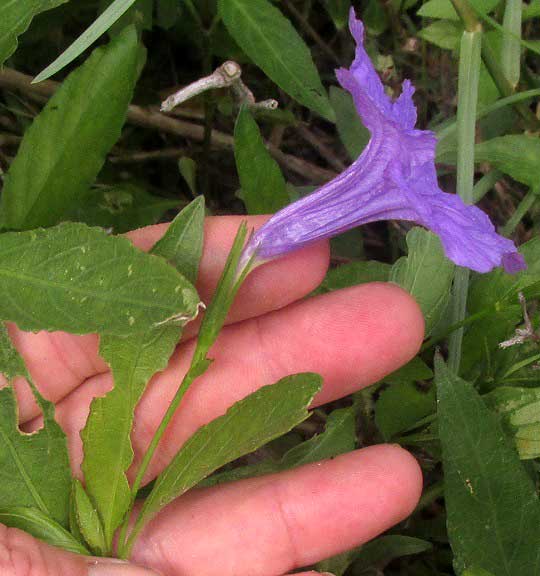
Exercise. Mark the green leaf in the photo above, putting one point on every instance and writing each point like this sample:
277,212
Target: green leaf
34,468
87,38
517,155
352,132
88,520
375,17
445,34
81,280
16,18
271,41
133,361
121,208
39,525
416,369
384,549
520,412
511,45
400,406
11,363
491,503
188,169
182,244
65,147
336,565
444,9
352,274
247,425
426,274
338,10
264,190
531,10
339,437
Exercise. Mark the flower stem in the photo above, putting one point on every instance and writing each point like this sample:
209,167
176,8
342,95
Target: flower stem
469,72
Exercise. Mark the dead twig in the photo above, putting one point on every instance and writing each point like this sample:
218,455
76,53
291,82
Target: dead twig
151,118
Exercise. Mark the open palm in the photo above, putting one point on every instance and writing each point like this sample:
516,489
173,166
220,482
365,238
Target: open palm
263,526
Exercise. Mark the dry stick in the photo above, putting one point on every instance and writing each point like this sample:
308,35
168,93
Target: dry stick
323,150
153,119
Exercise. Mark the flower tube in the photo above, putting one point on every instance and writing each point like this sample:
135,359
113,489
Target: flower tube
393,179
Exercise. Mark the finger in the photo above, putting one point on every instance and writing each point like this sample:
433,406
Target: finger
352,338
272,525
60,362
22,555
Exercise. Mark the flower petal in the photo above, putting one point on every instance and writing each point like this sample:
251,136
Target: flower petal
393,179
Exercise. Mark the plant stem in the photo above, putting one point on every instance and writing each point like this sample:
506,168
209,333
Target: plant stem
469,73
485,184
523,207
211,325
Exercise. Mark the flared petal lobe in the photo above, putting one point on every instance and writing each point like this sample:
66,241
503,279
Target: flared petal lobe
393,179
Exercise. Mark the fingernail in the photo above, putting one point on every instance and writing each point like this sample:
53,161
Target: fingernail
114,567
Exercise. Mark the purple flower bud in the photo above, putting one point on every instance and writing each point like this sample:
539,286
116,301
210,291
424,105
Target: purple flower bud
393,179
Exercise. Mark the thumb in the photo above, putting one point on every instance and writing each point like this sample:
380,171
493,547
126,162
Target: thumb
23,555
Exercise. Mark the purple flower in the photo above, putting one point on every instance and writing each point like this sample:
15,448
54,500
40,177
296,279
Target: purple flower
393,179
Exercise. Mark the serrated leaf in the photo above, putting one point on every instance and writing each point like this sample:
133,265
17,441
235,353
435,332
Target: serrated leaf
264,190
40,526
426,274
11,363
444,9
81,280
352,132
249,424
133,361
16,18
339,437
271,41
66,145
517,155
121,208
87,38
492,505
88,520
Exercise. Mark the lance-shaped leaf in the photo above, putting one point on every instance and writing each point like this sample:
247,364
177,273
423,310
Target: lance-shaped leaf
492,505
65,147
133,361
271,41
81,280
247,425
34,522
264,189
34,468
16,17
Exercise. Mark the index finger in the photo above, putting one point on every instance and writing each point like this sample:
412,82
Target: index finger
60,362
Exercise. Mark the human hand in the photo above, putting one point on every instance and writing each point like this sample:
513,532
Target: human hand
263,526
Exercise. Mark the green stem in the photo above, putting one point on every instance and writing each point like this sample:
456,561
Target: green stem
469,73
485,184
211,325
523,207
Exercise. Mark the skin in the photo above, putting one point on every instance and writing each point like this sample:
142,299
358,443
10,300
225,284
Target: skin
266,526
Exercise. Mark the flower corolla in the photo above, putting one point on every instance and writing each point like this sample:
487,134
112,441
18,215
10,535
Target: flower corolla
393,179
